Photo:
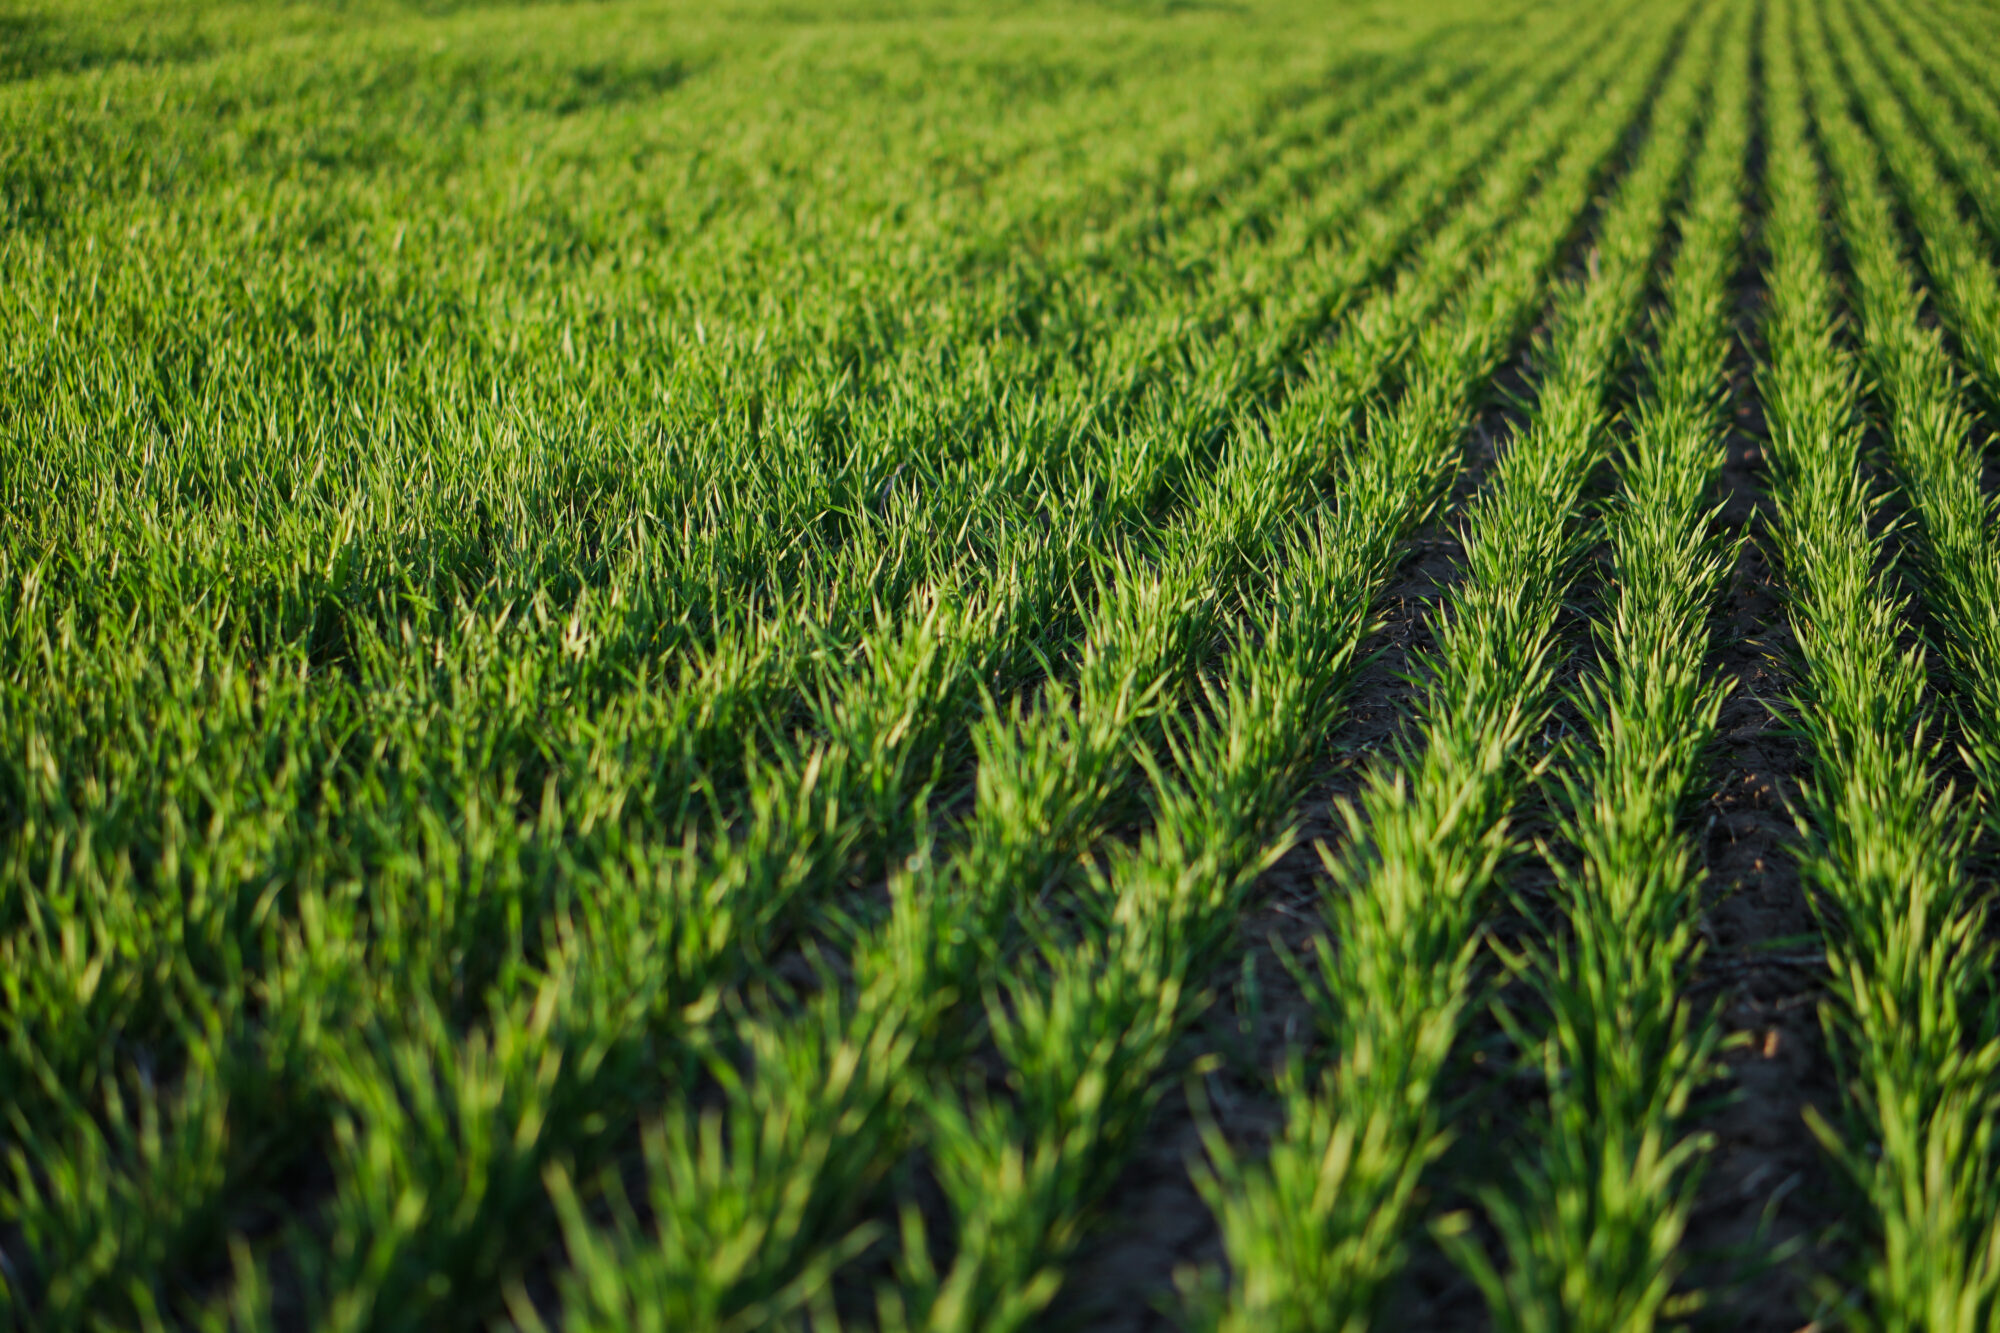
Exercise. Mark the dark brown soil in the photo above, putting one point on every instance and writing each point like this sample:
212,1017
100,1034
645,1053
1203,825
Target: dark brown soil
1759,1222
1157,1225
1157,1233
1767,1195
1767,1200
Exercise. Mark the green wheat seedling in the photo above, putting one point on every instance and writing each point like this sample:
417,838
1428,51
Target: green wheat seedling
1931,451
1962,71
1884,849
1591,1234
650,656
1915,133
1153,454
730,896
923,674
378,792
698,917
1047,780
1315,1234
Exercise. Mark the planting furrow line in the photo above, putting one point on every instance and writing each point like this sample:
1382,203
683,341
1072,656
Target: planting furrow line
1118,484
1884,848
1315,1234
1041,794
883,747
602,1017
156,956
625,741
1930,450
1952,120
1951,41
1590,1231
1086,1042
1042,789
1953,249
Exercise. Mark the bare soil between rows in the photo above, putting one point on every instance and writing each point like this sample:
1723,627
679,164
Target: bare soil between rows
1768,1203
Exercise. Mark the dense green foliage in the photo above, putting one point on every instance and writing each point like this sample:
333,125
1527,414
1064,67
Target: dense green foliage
663,666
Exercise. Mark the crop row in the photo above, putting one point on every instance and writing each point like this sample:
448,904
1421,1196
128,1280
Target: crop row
455,848
1592,1231
1887,848
1048,778
648,670
1316,1234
